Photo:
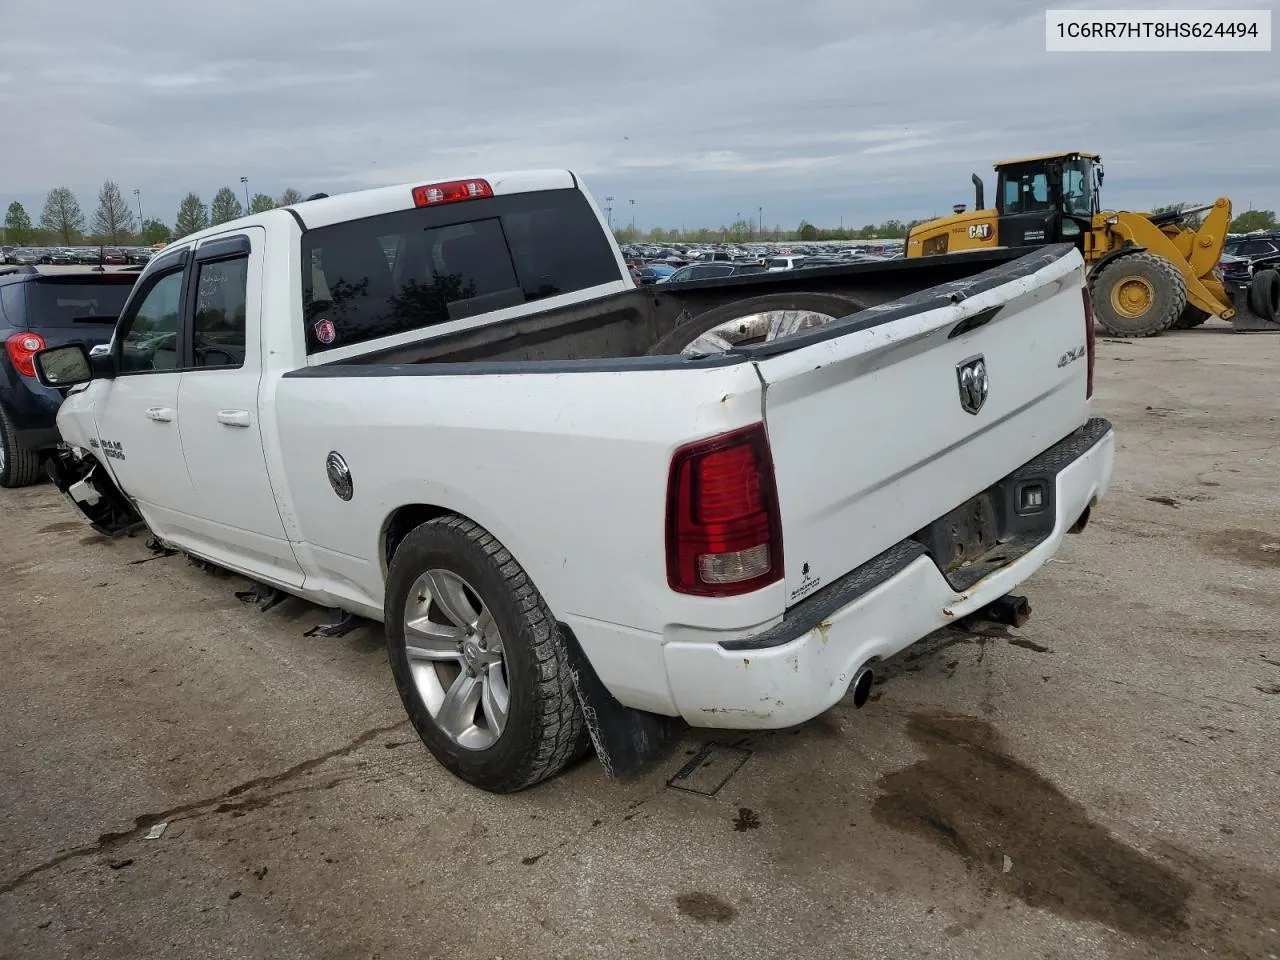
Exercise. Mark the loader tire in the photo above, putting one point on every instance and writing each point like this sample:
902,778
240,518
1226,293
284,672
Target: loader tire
1138,295
828,305
1264,295
19,467
1192,316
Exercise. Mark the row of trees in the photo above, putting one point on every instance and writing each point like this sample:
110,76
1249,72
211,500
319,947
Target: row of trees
742,231
1245,222
62,221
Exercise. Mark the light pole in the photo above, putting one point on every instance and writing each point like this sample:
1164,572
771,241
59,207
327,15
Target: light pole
608,211
633,215
137,195
760,226
245,181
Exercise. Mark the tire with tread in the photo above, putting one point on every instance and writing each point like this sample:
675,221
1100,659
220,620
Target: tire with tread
1166,307
1192,316
831,304
545,729
1264,295
21,466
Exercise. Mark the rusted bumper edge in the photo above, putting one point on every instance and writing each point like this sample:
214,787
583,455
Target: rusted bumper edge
813,610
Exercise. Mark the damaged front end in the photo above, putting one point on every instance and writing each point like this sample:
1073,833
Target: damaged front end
84,480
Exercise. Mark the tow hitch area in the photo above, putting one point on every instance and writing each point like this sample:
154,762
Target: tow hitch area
1011,610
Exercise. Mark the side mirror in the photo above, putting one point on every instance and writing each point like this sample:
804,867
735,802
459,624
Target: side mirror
64,366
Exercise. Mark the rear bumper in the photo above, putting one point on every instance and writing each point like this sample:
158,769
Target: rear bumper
802,666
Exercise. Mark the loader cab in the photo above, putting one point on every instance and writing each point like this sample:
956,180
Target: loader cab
1050,199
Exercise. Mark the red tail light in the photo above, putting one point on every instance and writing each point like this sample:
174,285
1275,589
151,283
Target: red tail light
451,192
724,535
1088,340
21,347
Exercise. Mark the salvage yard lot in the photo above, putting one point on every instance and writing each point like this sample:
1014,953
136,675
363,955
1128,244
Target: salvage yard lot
1103,782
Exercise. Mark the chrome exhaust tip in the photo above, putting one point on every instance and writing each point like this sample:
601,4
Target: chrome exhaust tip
861,686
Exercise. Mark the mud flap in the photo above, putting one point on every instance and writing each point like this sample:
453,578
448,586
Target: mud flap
627,741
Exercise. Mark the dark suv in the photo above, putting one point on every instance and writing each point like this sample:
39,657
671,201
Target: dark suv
1253,245
1244,256
39,310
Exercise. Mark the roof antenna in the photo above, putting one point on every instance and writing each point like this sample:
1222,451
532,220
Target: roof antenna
318,196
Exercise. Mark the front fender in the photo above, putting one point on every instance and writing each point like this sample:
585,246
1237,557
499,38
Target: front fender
76,420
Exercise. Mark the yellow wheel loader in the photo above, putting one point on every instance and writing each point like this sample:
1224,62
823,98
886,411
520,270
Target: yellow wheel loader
1146,273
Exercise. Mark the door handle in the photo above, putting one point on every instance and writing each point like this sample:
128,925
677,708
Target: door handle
234,418
160,414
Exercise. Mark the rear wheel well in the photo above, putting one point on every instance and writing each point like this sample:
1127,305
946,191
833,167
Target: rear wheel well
401,523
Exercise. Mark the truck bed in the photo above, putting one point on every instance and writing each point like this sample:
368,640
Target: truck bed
626,326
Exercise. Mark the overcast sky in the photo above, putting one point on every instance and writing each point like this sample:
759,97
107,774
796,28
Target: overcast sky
697,110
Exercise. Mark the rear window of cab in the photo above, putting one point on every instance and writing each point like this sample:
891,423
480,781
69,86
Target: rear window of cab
415,269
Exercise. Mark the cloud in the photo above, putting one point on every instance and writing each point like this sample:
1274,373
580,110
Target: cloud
821,109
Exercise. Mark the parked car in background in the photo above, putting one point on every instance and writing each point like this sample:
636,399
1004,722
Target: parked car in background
784,263
139,254
61,257
716,270
5,253
653,273
24,257
88,255
39,310
1252,245
1234,270
114,256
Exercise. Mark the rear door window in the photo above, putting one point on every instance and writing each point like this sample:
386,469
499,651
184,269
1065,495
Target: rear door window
218,328
417,269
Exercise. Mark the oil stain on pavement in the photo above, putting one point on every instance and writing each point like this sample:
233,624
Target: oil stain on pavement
705,908
1006,820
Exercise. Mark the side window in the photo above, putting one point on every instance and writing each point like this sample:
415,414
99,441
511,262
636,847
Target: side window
148,335
11,311
1026,193
218,332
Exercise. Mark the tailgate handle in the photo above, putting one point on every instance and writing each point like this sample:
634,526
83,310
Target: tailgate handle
974,322
234,418
160,414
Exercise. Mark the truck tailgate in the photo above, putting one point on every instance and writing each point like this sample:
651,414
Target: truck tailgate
872,421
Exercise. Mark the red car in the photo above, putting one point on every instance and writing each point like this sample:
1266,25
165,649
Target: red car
114,256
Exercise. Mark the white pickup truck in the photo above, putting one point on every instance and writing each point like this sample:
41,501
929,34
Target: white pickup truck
582,508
